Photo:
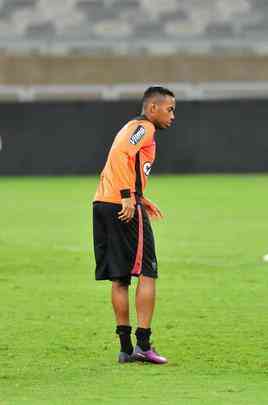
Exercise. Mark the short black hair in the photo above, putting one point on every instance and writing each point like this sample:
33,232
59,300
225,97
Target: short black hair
155,90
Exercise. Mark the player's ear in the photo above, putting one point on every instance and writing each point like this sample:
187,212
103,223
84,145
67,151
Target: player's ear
153,107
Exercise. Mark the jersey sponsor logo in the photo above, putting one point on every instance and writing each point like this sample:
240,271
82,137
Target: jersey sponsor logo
137,135
147,168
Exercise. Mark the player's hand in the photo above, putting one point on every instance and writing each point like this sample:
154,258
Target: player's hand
128,210
152,210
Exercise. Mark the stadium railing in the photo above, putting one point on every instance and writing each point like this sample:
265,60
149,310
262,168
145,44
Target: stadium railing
183,91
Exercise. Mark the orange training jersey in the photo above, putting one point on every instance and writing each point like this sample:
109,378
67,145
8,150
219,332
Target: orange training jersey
129,162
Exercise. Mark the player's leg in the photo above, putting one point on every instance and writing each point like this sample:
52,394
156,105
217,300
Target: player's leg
145,301
145,298
111,254
120,302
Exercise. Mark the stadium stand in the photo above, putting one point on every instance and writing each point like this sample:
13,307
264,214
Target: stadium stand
71,69
124,26
86,43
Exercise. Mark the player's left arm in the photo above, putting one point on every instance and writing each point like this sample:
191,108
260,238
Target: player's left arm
152,210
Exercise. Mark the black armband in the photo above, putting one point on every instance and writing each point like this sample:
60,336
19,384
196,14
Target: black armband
125,193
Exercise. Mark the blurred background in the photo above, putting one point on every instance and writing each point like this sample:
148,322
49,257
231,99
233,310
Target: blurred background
73,71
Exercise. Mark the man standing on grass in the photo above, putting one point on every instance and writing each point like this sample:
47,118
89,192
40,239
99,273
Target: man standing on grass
123,238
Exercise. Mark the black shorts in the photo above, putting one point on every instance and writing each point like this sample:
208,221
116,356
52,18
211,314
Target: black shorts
122,250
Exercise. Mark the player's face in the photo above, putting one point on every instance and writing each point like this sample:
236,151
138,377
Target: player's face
164,112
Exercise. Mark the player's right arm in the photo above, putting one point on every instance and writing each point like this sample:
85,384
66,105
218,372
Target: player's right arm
128,210
125,148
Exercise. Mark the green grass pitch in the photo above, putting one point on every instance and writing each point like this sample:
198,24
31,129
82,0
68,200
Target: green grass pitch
57,341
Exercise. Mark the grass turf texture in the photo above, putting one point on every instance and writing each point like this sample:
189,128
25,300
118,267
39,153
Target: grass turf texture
57,341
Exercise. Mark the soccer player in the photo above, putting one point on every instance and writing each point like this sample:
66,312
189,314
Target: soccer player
123,238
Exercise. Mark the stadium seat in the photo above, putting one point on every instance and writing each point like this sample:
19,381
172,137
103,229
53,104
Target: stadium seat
94,24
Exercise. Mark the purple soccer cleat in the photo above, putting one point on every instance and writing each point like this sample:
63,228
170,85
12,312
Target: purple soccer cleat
150,356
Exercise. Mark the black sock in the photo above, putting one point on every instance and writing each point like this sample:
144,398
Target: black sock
143,338
124,332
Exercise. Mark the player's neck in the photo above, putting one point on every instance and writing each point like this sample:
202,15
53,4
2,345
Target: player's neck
147,117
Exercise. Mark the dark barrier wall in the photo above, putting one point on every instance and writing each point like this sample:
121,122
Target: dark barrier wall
74,137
